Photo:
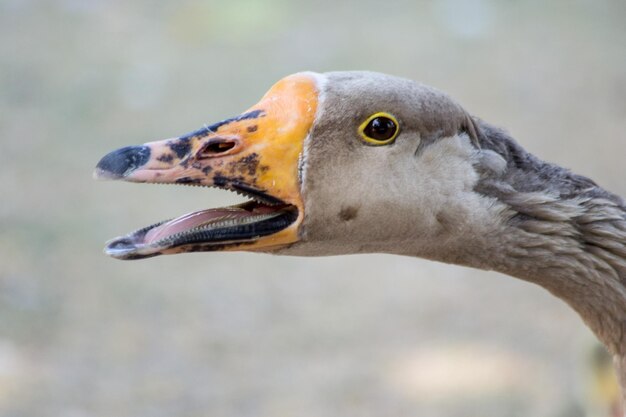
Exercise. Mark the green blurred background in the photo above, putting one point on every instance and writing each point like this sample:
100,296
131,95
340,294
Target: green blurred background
254,335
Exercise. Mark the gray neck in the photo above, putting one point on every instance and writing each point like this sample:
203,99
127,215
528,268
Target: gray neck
563,232
579,263
581,259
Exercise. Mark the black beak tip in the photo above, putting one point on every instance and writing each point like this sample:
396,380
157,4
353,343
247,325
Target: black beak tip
121,162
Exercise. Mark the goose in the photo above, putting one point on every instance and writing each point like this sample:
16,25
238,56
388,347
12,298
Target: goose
362,162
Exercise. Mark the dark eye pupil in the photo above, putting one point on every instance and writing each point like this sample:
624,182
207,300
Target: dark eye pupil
380,128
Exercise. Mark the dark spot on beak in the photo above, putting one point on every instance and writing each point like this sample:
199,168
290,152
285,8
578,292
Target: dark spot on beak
180,147
122,162
220,180
207,130
167,158
252,129
246,165
206,170
348,213
188,180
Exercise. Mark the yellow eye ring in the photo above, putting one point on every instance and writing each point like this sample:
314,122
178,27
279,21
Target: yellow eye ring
379,129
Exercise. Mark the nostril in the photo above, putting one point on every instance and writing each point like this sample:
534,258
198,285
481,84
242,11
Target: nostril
217,148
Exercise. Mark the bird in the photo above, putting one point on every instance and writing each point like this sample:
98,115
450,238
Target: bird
353,162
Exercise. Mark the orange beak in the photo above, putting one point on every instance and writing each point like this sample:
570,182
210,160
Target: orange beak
257,154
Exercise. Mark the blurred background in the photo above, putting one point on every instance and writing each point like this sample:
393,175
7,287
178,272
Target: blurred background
254,335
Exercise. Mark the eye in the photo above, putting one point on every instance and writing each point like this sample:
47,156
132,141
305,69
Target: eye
379,129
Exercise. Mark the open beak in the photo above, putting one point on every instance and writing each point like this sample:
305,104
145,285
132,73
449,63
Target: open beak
256,154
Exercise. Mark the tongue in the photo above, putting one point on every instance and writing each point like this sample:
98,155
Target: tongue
189,221
195,219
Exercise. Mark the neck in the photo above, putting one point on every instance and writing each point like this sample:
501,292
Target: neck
580,261
583,263
563,232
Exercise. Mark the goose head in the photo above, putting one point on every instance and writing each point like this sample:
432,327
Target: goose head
360,162
333,163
